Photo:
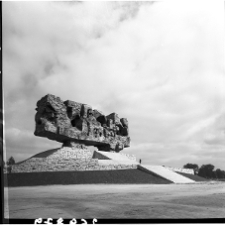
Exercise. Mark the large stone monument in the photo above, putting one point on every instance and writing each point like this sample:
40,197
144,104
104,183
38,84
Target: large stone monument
78,125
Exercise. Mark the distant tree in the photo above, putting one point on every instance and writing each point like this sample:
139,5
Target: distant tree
220,174
11,161
192,166
223,174
206,171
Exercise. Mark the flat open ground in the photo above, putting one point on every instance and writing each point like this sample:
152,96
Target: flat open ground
199,200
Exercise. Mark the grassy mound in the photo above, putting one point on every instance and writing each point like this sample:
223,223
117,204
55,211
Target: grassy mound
132,176
193,177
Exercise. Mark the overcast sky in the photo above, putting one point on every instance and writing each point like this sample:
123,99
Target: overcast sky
160,65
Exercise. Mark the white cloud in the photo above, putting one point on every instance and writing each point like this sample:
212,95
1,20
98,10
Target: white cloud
160,65
22,144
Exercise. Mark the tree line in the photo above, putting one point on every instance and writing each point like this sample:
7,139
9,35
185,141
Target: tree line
207,171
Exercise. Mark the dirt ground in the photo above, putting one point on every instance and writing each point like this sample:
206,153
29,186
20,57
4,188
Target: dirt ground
198,200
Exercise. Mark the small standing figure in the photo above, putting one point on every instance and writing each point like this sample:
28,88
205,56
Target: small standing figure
140,161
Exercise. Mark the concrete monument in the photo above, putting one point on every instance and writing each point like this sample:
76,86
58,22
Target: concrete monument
76,124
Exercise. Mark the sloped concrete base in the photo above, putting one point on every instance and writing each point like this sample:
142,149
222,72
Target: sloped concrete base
67,165
166,173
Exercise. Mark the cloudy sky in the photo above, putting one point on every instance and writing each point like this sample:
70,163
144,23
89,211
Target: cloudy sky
159,64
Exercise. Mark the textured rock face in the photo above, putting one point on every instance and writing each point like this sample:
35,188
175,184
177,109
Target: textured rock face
67,159
78,124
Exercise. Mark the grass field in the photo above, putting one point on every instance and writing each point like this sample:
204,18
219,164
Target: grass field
198,200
